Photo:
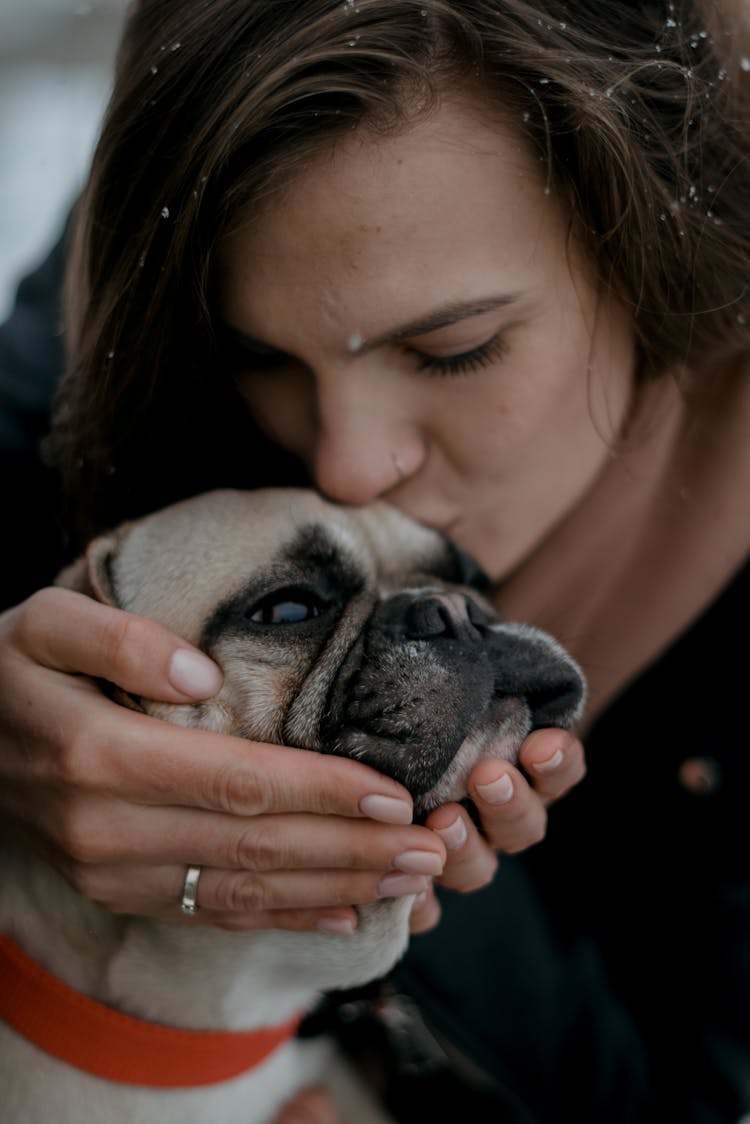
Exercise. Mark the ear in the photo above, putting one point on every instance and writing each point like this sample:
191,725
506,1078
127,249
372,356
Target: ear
93,574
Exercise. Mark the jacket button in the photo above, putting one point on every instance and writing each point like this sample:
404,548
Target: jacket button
701,776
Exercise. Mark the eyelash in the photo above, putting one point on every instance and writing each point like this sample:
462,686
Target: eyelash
466,362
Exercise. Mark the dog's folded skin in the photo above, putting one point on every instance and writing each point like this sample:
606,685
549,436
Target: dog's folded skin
348,631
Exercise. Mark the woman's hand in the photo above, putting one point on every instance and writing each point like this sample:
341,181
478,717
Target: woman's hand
313,1105
121,803
512,807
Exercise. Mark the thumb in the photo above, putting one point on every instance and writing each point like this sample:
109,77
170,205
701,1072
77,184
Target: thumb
70,632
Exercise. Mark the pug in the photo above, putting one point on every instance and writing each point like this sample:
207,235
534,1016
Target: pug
348,631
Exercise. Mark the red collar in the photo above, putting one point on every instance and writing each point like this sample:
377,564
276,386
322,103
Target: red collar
102,1041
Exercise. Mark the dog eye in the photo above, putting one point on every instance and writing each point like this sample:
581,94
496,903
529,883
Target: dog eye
287,606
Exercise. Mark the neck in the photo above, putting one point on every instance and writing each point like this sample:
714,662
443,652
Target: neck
657,536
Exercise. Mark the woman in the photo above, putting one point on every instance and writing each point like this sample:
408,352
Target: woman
488,263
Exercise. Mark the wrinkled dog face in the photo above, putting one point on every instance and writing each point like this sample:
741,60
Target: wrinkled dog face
348,631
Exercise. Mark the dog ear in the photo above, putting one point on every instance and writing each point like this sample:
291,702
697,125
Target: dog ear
92,572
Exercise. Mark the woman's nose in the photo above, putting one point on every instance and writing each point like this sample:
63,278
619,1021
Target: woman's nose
365,446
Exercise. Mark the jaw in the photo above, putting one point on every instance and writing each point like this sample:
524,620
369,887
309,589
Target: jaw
500,737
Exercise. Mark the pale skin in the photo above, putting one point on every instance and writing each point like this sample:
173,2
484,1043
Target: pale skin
397,256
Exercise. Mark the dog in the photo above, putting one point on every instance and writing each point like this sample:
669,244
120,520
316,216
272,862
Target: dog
349,631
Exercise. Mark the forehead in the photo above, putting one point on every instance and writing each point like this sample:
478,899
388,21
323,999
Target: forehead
375,216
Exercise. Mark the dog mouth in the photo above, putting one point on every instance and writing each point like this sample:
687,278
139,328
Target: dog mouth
414,716
424,721
433,684
424,684
500,738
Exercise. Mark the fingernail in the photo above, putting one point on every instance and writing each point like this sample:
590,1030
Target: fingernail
420,899
194,674
396,885
386,809
551,763
455,835
338,926
419,862
497,792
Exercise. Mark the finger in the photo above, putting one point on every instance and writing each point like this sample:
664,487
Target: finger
157,890
512,815
104,830
69,632
229,774
242,892
312,1106
471,862
95,746
425,913
554,759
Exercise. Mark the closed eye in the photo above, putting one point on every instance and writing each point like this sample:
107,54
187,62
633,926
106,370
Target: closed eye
466,361
288,606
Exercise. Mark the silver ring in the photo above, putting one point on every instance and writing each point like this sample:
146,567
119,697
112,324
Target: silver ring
189,903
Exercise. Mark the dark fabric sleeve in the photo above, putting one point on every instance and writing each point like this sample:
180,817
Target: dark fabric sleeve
31,359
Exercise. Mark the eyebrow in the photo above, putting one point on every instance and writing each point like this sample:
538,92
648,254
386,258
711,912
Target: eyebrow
433,321
440,318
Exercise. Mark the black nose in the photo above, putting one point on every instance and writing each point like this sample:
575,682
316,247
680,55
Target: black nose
430,616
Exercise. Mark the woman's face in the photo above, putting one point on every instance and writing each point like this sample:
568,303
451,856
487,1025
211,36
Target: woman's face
418,325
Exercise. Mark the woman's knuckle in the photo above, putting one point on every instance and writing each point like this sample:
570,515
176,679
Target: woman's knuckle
533,832
83,834
77,874
480,876
240,894
121,634
79,763
257,847
22,621
70,761
86,880
239,792
78,841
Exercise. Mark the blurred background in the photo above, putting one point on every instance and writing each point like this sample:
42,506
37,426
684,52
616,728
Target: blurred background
55,70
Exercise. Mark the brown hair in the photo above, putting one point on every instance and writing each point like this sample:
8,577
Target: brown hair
638,112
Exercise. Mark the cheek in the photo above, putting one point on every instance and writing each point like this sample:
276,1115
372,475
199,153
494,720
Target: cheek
560,382
531,402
